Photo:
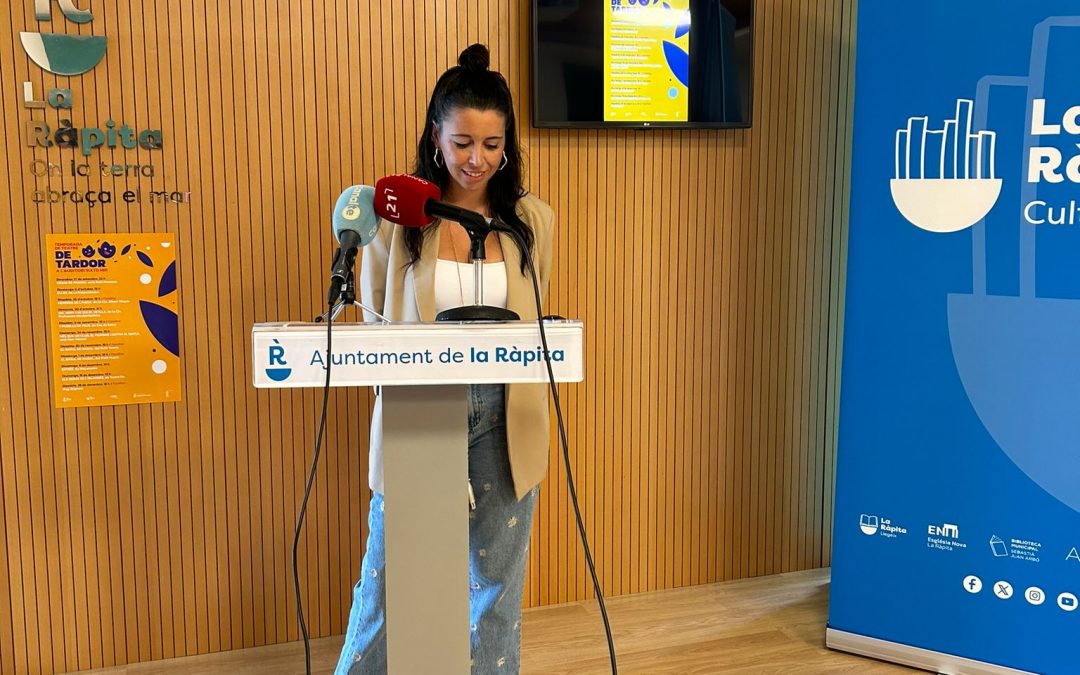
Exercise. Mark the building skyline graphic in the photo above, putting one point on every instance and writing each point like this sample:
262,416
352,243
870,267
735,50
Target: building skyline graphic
954,152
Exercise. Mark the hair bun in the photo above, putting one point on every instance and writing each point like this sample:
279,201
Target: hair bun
475,57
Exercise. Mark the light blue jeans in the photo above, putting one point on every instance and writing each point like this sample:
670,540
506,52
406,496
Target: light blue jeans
499,531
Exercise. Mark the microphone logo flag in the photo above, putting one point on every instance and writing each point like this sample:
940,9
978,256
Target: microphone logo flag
391,203
352,210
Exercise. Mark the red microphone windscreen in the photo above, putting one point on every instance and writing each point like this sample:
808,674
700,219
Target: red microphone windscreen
400,198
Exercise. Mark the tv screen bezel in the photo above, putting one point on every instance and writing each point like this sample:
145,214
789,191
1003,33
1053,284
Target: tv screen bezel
535,90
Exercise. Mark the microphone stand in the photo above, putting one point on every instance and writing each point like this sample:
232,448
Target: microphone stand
348,299
478,230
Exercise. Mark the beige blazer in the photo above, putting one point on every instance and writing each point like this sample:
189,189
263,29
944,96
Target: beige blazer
404,292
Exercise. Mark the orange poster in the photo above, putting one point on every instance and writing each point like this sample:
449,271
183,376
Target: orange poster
113,319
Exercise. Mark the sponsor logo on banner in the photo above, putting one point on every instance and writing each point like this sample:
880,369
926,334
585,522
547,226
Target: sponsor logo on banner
998,547
885,527
1073,555
1027,550
944,537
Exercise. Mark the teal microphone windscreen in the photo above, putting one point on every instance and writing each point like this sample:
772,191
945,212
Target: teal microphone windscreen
355,210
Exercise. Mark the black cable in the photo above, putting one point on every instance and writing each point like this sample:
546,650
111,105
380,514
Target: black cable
566,449
307,493
566,461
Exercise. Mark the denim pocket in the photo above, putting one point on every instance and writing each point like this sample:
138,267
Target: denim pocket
487,406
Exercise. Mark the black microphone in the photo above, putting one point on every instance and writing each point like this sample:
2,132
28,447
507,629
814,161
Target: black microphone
470,220
341,268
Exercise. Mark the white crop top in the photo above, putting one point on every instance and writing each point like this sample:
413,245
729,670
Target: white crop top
454,284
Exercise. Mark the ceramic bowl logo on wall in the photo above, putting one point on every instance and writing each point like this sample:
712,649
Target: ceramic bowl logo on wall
63,54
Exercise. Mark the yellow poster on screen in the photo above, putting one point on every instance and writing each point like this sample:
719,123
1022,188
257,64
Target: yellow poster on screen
113,319
646,60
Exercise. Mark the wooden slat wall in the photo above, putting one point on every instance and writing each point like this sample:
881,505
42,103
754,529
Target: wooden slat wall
706,264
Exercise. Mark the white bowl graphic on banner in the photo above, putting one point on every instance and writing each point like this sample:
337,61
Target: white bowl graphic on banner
944,204
944,178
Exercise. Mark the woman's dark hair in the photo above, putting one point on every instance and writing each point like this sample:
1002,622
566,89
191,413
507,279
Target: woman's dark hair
471,85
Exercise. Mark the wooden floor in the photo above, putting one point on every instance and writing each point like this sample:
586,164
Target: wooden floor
766,625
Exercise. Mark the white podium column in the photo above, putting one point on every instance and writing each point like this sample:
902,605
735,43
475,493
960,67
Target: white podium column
425,474
423,369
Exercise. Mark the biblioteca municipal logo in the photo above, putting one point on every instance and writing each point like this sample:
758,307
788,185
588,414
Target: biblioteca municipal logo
944,179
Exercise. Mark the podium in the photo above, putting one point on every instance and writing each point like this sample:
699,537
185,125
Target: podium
423,371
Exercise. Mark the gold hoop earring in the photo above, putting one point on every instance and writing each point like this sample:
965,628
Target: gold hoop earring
505,161
435,158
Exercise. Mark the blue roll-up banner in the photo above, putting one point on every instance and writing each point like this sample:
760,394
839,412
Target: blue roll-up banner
957,521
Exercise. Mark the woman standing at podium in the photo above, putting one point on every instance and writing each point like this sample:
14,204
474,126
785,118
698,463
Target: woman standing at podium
469,148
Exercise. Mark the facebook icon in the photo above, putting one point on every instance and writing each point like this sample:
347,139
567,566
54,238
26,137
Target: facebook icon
972,584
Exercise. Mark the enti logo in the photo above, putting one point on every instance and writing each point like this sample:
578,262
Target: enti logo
946,530
945,537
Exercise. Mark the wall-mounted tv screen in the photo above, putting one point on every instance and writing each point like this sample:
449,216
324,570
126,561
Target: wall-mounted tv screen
642,63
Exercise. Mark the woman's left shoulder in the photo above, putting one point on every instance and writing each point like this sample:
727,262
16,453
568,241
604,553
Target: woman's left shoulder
535,211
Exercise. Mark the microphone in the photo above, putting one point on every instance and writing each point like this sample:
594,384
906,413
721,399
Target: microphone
414,202
355,225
